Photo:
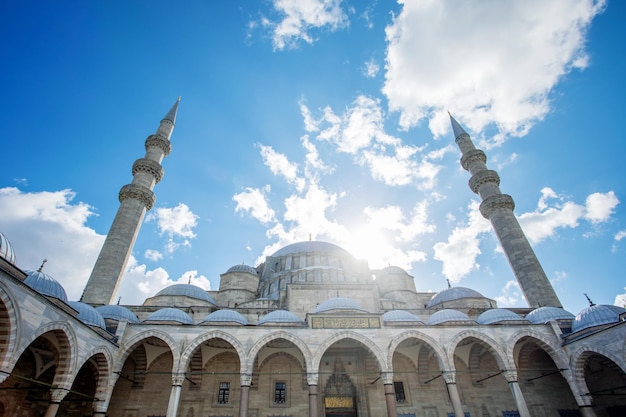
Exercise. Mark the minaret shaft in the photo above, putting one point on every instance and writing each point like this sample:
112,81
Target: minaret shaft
135,199
498,208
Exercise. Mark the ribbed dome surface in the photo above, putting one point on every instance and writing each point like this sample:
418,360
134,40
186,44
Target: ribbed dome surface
401,316
280,316
498,315
454,293
338,303
186,290
170,314
596,315
45,284
115,312
309,246
226,315
446,315
87,314
6,250
242,268
545,314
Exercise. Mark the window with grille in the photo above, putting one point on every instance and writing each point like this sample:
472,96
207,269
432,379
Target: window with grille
398,387
224,393
280,393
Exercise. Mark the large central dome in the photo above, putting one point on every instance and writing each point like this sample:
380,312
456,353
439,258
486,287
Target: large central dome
310,246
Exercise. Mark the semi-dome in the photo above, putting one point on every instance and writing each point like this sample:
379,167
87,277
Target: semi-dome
186,290
453,293
280,316
338,303
400,316
309,246
545,314
498,315
46,285
117,313
6,250
87,314
170,314
242,268
447,315
226,315
596,315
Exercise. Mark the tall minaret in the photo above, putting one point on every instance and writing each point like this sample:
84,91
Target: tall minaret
135,199
498,208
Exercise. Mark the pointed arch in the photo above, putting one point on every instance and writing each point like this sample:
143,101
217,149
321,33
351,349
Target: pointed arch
299,343
214,334
143,336
494,348
368,343
10,331
580,356
442,358
549,344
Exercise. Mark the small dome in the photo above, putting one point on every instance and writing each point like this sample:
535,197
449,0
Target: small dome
243,268
45,284
6,250
393,270
309,246
280,316
596,315
400,315
338,303
117,313
226,315
170,314
545,314
498,315
454,293
186,290
87,314
447,315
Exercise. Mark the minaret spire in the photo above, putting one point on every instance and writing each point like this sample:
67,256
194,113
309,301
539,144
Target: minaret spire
135,199
498,208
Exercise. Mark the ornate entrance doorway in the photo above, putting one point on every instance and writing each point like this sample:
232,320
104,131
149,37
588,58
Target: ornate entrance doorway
340,393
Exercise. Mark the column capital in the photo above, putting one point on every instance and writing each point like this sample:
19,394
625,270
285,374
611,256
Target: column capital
58,394
312,378
178,379
510,375
449,376
246,379
387,378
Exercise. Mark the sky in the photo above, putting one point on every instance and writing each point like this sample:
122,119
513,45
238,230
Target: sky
318,119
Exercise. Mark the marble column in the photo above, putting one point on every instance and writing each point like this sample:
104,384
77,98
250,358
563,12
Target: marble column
177,386
584,402
57,395
312,379
390,394
244,398
511,378
450,378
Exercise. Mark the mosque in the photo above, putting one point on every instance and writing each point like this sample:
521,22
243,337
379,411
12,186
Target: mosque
308,332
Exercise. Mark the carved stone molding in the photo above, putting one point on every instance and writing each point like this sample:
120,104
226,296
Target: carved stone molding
483,177
473,156
138,192
178,379
449,377
495,202
156,141
148,165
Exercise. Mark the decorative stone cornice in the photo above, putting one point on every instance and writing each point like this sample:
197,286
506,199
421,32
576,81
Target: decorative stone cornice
462,136
475,155
149,166
495,202
157,141
483,177
138,192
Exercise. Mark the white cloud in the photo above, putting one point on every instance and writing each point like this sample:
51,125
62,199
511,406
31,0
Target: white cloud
153,255
51,225
253,201
371,68
459,253
620,235
280,165
178,221
599,207
299,17
620,300
511,295
497,67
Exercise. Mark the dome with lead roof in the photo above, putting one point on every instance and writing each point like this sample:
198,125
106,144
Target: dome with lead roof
6,250
448,315
310,246
87,314
339,303
400,316
280,316
498,315
46,285
596,315
543,315
170,314
453,294
242,268
186,290
117,313
226,316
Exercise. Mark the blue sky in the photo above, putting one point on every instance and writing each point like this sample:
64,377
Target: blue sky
321,118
